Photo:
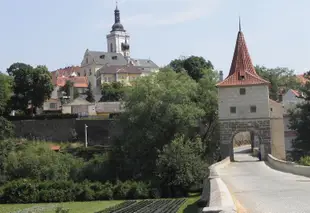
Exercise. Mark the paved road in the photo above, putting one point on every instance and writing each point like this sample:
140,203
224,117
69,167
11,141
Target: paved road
260,189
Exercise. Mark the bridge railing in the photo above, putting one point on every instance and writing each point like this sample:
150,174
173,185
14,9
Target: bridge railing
216,194
288,167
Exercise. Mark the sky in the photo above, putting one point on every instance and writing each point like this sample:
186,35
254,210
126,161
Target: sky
56,33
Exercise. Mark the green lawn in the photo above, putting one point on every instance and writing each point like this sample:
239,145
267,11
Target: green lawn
75,207
190,206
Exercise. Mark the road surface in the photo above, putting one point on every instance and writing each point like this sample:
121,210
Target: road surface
260,189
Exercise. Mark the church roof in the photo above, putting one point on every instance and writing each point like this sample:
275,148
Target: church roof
130,69
242,71
103,58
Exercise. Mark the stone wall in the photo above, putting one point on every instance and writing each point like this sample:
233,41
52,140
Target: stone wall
63,130
229,128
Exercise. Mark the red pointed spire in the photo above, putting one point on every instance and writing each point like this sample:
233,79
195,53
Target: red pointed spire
242,71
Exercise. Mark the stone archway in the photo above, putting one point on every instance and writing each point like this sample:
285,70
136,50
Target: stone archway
229,128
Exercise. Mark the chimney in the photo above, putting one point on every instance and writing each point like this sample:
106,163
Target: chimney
221,76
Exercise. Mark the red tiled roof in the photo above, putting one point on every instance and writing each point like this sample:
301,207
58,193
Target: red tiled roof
295,92
55,148
242,66
67,71
301,78
78,82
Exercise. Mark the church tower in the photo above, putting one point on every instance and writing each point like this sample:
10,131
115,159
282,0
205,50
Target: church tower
118,39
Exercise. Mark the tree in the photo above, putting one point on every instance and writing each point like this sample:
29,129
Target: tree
114,91
300,122
89,92
5,92
281,79
180,165
193,65
32,86
69,88
158,108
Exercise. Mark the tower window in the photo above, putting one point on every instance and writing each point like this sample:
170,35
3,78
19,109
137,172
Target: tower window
253,109
86,60
242,91
111,47
233,110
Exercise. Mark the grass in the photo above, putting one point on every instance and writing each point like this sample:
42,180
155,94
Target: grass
190,206
75,207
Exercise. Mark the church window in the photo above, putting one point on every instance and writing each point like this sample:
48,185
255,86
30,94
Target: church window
89,72
233,110
253,109
86,60
111,47
242,91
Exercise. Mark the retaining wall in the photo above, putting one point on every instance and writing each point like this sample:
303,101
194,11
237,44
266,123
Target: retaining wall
289,167
100,132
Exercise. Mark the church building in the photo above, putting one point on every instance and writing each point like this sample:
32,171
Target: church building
95,63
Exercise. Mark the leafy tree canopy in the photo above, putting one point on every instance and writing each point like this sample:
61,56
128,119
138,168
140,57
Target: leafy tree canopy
300,122
193,65
69,88
158,108
89,92
5,92
32,85
114,91
281,79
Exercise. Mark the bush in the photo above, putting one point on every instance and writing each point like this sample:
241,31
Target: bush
39,162
42,117
30,191
305,161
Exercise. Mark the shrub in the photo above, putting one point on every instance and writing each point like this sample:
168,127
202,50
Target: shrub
30,191
39,162
42,117
305,161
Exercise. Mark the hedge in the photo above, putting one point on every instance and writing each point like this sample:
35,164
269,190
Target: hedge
42,117
29,191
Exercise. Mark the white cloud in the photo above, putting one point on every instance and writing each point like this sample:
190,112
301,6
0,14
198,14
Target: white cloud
186,10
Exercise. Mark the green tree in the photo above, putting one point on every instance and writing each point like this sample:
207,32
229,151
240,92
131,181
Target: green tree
300,122
180,165
69,88
32,86
5,92
114,91
281,80
193,65
158,107
89,92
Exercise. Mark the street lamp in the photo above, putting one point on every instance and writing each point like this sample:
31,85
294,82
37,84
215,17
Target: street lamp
86,143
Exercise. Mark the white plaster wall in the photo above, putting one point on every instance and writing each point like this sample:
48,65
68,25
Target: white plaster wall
290,98
66,109
117,38
92,109
255,95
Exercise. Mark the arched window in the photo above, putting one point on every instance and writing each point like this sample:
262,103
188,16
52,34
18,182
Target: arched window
111,47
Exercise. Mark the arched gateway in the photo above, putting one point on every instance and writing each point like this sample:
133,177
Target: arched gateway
244,105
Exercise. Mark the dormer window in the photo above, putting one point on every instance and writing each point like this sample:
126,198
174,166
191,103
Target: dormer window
241,77
114,57
102,56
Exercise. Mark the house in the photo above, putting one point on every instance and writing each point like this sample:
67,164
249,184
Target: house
105,109
79,106
79,82
116,73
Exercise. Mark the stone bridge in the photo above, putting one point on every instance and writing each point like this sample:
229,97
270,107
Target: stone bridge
257,188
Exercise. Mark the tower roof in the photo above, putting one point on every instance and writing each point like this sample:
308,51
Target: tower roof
242,71
117,26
